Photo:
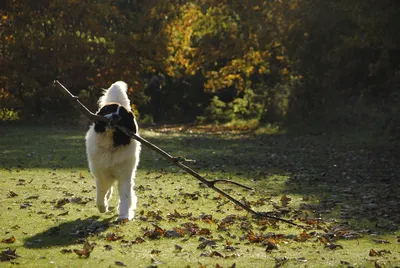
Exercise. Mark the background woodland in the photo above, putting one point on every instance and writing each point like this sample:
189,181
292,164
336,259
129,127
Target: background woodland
333,64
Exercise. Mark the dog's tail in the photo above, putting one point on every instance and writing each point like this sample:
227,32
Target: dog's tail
117,94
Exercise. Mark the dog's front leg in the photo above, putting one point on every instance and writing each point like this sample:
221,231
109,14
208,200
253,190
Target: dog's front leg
127,199
104,191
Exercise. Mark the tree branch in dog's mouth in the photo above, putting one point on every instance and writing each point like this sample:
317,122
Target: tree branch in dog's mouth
112,120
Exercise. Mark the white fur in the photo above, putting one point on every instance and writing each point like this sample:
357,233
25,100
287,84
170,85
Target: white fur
116,93
109,164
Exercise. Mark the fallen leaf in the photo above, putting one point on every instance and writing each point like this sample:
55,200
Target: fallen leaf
138,240
156,233
254,238
285,200
15,227
211,254
119,263
205,243
113,237
302,237
32,197
8,255
324,240
25,205
380,241
155,251
270,246
85,252
9,240
333,246
63,214
373,252
207,218
280,261
108,247
153,261
174,233
11,194
178,248
204,231
302,259
61,202
309,221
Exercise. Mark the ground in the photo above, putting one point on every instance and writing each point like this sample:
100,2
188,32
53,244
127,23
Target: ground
342,189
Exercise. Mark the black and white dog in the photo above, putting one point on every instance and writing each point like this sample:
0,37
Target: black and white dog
112,155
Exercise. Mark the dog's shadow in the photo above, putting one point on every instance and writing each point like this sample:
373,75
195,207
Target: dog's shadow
68,233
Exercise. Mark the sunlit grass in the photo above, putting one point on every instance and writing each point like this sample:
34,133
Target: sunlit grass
41,167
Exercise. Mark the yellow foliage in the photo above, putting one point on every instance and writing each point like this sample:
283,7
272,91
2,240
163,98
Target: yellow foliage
285,71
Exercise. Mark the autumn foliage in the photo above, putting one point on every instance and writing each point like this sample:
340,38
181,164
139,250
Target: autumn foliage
205,60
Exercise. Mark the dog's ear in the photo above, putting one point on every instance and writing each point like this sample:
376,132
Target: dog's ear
128,120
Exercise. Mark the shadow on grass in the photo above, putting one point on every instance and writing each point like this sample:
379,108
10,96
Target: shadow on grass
347,178
68,233
343,177
34,147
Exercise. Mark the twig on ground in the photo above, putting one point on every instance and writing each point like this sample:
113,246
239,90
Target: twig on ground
178,162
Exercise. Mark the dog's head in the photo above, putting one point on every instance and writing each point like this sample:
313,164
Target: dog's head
126,119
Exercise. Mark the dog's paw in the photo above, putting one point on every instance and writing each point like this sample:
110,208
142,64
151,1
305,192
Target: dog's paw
123,218
102,209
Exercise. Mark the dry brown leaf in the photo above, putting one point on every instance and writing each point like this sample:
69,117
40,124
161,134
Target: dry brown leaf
8,255
285,200
156,233
119,263
302,237
85,252
113,237
138,240
10,240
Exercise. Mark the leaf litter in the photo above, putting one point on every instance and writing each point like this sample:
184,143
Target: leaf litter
208,226
9,255
86,250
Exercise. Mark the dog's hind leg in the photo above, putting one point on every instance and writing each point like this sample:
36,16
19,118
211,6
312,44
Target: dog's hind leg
104,192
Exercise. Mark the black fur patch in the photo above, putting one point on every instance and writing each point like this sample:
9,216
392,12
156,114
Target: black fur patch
127,120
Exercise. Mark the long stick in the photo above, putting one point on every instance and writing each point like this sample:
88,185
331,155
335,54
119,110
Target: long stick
93,117
176,161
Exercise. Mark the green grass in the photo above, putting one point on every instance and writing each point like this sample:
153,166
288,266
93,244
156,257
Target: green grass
346,192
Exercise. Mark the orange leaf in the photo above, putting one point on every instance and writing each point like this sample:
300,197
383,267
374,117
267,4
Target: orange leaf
323,240
85,252
285,200
112,237
204,231
302,237
9,240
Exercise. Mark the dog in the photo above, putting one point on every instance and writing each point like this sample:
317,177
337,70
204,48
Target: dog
112,155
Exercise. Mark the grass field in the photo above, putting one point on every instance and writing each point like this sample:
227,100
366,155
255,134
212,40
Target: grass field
343,188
